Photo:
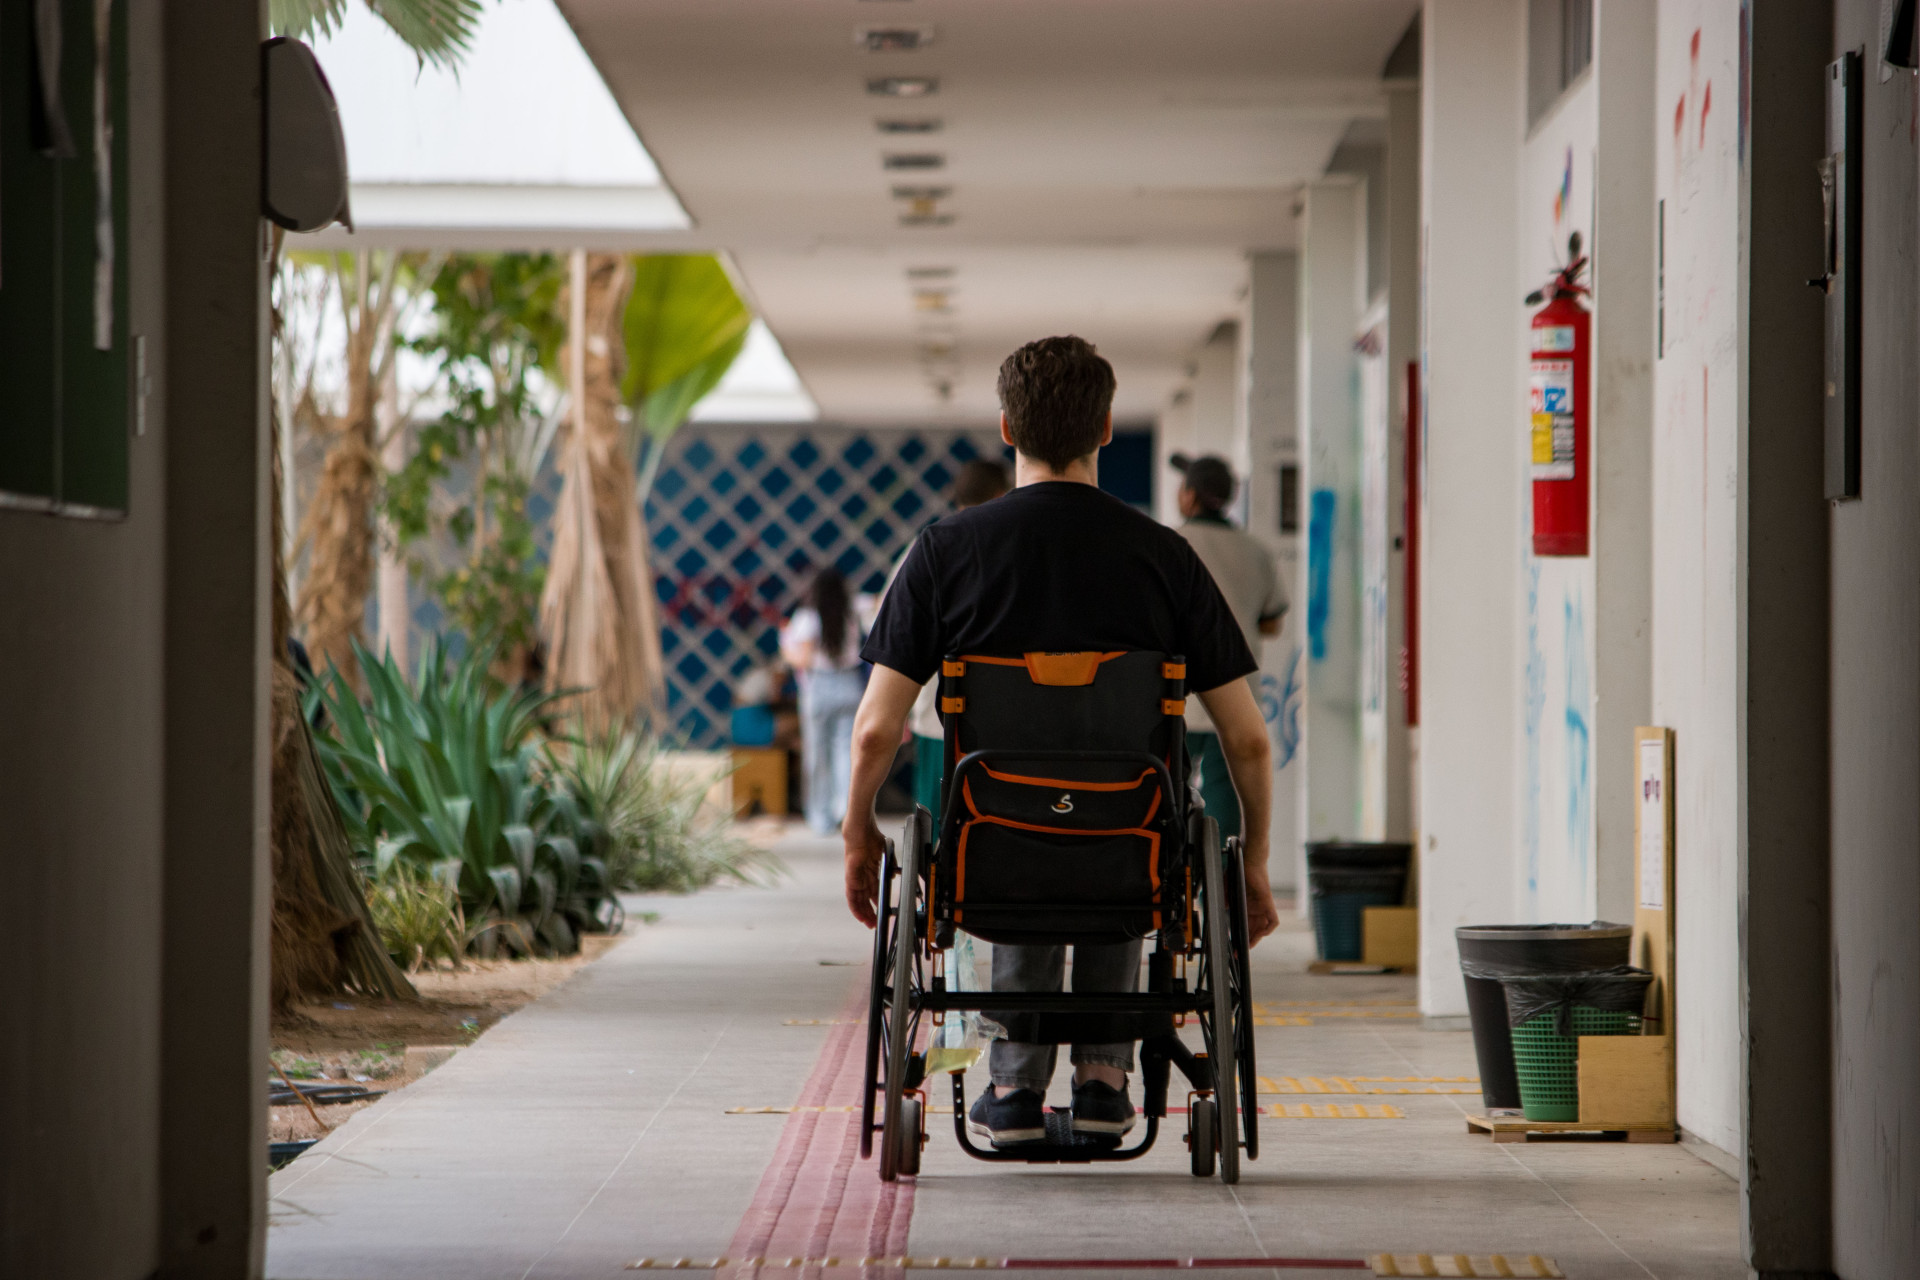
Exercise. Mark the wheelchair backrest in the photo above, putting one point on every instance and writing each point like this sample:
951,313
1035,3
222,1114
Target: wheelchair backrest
1065,810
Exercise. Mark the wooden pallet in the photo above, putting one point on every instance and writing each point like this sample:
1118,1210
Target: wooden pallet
1519,1129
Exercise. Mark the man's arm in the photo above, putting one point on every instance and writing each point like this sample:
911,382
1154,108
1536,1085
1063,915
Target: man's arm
1243,739
877,726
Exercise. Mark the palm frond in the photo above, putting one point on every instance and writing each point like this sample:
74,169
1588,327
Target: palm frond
440,32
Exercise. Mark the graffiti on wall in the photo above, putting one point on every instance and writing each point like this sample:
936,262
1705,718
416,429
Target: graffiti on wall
1280,708
1320,534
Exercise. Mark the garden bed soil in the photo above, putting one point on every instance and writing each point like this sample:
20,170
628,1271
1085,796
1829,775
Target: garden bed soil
354,1040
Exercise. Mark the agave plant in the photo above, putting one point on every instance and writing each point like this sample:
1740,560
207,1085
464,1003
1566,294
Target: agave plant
644,823
441,776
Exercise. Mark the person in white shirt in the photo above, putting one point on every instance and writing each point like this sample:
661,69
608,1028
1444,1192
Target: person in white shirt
821,642
1247,576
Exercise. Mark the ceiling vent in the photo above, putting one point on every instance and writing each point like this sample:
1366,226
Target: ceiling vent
914,160
903,86
908,126
927,219
931,273
922,193
892,39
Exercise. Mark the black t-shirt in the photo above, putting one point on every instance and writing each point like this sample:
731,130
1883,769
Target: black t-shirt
1055,567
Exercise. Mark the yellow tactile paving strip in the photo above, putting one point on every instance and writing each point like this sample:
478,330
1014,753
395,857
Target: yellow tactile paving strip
1462,1264
1369,1085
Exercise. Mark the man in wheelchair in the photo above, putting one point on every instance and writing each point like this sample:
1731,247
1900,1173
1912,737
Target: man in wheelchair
1056,567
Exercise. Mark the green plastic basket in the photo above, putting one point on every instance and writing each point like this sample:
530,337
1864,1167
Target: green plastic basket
1549,1063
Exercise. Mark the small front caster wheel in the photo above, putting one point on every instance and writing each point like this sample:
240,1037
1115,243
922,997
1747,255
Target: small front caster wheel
1203,1128
906,1156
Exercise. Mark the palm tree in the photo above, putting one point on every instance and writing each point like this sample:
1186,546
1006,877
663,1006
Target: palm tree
659,332
322,932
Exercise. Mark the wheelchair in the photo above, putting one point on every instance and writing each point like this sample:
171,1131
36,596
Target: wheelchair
1069,817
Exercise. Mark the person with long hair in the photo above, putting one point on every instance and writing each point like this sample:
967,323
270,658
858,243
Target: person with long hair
821,642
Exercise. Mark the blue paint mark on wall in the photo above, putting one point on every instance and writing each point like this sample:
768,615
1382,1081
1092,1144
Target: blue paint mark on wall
1579,743
1320,531
1533,711
1280,708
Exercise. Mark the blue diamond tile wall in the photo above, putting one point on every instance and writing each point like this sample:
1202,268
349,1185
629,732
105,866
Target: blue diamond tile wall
741,517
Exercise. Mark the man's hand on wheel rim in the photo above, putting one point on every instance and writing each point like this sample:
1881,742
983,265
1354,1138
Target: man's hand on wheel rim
1263,915
864,845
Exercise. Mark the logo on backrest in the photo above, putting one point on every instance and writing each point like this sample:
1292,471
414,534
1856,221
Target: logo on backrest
1064,804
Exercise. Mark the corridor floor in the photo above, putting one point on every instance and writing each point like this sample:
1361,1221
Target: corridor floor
591,1130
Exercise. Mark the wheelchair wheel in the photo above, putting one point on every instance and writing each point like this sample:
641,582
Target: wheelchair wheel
906,1160
876,998
1221,1048
1201,1127
900,1024
1238,934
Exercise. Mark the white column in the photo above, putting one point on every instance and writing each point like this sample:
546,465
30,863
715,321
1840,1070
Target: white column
1473,98
1332,295
1270,352
1624,62
1403,355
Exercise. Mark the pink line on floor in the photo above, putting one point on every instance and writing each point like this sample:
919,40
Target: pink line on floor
818,1198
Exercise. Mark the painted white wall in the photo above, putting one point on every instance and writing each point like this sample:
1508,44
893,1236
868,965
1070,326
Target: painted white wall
1271,351
1332,295
1472,123
1698,571
1554,641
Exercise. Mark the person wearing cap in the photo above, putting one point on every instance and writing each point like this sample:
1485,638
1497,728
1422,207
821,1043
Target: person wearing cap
1246,574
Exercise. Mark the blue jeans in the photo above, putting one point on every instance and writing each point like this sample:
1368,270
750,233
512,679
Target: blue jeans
1115,966
828,700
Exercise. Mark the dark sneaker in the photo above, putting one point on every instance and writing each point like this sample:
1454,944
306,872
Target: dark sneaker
1018,1117
1101,1109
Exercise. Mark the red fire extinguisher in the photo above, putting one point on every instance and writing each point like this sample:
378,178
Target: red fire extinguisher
1558,405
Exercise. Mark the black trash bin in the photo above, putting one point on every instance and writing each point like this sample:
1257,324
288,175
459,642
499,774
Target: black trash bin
1490,952
1344,877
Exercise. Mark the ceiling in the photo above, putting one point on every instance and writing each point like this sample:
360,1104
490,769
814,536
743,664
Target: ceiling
1105,167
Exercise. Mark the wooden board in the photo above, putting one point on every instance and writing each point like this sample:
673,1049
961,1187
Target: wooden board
1517,1129
759,778
1390,936
1625,1079
1653,831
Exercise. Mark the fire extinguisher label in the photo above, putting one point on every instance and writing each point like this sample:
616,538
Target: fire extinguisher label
1550,404
1553,337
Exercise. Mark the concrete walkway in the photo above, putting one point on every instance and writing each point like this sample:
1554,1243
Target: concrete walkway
589,1131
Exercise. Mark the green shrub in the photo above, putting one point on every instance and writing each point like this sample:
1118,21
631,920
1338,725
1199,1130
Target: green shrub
440,777
644,824
419,918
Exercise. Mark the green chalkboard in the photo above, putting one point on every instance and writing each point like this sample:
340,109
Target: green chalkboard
66,356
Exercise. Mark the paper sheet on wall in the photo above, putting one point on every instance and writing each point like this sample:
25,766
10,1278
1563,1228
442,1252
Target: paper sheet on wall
1653,824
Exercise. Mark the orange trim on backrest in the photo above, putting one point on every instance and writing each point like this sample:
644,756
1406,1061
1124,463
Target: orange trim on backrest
1173,706
1067,783
1059,669
954,669
1173,670
953,706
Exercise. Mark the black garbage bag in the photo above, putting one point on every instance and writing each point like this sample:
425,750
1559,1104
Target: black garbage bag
1622,989
1499,951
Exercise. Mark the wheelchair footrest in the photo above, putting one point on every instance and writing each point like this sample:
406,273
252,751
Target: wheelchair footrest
1063,1145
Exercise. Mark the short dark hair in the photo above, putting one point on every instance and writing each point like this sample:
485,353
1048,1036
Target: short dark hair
980,481
1057,394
